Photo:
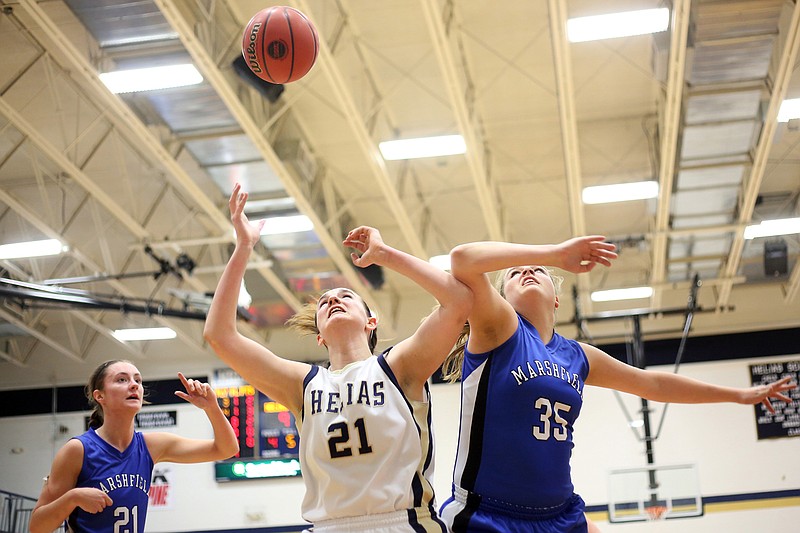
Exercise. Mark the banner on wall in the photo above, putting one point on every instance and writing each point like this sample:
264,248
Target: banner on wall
161,488
785,422
148,420
156,419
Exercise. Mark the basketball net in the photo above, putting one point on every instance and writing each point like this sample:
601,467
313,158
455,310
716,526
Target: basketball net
656,512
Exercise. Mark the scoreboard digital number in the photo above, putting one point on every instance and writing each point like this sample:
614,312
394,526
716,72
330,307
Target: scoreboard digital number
239,407
785,422
266,430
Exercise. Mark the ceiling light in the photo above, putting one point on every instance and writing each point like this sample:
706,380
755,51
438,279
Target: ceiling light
151,79
770,228
270,204
290,224
620,192
31,249
440,261
613,25
631,293
789,109
144,334
423,147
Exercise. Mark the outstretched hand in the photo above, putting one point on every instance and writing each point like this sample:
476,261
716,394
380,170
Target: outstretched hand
582,254
246,233
369,243
762,393
199,394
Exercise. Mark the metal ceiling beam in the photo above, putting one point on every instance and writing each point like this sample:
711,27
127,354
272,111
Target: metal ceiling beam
87,262
747,202
11,359
119,114
115,209
467,119
38,335
327,64
222,86
565,89
107,333
670,130
793,285
58,157
562,61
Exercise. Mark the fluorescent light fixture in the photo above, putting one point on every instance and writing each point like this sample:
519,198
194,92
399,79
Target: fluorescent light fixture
423,147
290,224
789,109
151,79
620,192
770,228
19,250
270,204
140,39
625,24
622,294
440,261
144,334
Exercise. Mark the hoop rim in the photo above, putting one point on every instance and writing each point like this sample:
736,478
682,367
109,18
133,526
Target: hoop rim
656,512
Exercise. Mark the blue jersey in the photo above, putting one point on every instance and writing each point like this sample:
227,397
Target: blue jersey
124,476
519,404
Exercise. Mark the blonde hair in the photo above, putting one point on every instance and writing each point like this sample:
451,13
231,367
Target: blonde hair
305,321
453,363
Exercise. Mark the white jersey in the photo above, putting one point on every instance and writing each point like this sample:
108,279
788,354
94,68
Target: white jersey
365,449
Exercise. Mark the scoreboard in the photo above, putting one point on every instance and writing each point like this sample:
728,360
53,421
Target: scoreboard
266,431
785,422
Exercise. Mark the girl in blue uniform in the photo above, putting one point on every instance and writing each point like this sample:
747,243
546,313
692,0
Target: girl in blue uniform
99,481
522,390
365,443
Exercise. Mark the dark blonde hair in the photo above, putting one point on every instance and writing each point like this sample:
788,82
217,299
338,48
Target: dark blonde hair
97,382
305,320
451,368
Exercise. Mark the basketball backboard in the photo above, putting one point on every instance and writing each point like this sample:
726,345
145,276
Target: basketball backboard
653,493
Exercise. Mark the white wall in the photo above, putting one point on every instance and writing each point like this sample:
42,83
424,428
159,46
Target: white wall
721,439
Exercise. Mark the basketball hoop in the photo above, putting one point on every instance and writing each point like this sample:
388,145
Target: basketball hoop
656,512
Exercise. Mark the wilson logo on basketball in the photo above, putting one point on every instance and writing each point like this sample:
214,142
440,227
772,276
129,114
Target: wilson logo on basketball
252,60
277,49
280,44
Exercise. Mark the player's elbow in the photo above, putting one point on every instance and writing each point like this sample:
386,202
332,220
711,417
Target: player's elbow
218,335
462,301
38,523
227,450
463,260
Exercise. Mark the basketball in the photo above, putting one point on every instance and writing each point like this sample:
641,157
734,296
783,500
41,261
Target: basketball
280,44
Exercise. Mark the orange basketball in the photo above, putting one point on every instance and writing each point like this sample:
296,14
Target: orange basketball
280,44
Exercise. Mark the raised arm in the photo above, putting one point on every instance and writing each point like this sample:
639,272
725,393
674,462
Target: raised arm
415,359
495,319
605,371
177,449
279,378
59,496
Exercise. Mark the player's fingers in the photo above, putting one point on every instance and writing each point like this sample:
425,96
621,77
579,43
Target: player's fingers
766,403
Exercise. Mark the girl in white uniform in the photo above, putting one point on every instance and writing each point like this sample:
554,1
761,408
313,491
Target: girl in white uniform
365,444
